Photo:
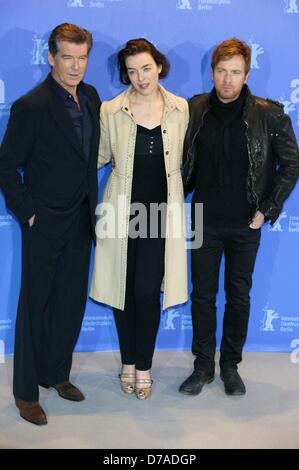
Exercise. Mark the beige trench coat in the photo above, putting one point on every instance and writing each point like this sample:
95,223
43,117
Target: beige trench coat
117,144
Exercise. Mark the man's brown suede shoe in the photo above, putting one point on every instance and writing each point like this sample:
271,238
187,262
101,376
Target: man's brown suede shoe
32,412
67,390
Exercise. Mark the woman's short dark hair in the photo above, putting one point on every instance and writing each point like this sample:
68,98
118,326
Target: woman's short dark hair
71,33
135,46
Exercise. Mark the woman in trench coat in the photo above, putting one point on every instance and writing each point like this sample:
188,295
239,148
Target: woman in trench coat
142,134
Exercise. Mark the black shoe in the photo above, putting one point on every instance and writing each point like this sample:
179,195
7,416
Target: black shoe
193,385
233,384
66,390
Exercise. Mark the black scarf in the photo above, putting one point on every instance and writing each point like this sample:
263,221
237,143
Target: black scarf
225,113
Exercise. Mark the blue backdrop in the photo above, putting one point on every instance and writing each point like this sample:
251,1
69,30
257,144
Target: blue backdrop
187,31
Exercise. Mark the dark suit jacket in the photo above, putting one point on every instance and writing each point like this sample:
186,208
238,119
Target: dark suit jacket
41,139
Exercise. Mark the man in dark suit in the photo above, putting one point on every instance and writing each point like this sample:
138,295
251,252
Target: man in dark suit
53,136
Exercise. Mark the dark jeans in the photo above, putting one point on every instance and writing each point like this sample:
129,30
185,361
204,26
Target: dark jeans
51,305
137,325
239,246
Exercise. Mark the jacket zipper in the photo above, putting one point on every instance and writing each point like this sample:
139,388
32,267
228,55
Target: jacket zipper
251,164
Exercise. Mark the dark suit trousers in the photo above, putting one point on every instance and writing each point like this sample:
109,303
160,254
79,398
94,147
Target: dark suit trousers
51,305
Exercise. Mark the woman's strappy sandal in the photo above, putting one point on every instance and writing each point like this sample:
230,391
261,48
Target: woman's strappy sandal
127,382
143,388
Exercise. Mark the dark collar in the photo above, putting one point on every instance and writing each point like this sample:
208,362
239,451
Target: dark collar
226,113
248,104
217,103
65,94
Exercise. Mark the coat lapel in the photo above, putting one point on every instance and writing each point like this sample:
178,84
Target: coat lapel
63,120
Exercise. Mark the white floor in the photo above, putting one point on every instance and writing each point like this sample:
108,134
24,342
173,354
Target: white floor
266,417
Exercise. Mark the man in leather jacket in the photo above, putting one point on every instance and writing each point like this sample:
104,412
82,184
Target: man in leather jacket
241,159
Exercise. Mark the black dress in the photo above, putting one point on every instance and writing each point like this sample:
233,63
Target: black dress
138,324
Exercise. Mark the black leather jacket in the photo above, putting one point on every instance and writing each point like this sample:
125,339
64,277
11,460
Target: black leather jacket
272,151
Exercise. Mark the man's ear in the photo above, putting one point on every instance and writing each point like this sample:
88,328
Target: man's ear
50,59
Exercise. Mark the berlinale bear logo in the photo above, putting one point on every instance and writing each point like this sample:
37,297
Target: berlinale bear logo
184,5
291,6
269,316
